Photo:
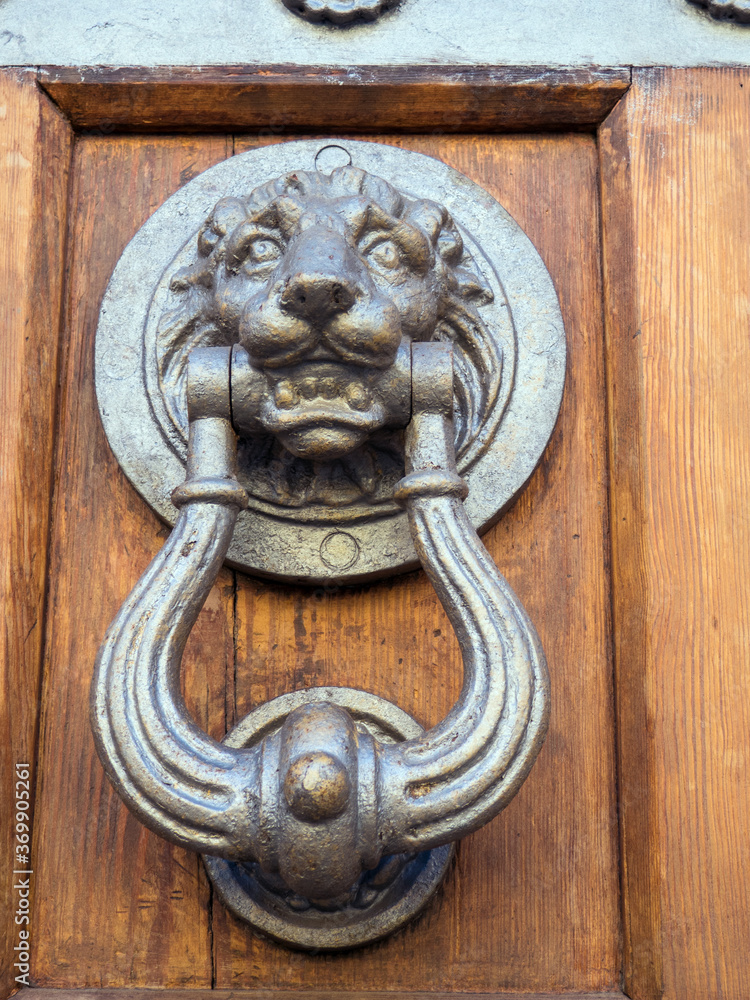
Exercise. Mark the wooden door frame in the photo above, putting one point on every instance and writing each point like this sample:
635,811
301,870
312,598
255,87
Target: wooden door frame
630,112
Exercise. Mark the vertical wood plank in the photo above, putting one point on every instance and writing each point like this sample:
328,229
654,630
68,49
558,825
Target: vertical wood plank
674,173
533,904
638,803
35,144
115,905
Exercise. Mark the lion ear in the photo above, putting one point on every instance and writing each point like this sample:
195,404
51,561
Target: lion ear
472,286
228,213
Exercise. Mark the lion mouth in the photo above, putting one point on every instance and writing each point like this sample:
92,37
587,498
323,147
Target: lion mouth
322,411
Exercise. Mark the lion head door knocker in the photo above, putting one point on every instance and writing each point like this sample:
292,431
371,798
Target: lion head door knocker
326,362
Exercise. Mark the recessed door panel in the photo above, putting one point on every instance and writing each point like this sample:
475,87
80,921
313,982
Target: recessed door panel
533,903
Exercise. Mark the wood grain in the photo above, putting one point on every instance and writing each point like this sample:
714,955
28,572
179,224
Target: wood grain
35,144
533,904
638,805
114,904
674,182
135,994
283,99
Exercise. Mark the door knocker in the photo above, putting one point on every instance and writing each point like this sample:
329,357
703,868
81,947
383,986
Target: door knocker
326,362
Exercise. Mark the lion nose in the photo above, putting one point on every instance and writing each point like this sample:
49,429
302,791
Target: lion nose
321,275
317,297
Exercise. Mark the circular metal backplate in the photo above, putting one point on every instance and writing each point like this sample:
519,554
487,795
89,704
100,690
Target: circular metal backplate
523,320
382,901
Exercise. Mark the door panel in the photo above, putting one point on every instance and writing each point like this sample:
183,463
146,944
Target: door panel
534,902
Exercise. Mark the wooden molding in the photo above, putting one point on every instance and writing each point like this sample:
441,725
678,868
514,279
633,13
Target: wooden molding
639,840
35,151
276,100
676,214
99,994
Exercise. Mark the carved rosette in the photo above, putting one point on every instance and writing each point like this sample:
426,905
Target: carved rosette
727,10
339,11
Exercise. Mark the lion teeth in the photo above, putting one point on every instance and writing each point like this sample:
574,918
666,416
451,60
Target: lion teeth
357,396
329,388
285,395
308,387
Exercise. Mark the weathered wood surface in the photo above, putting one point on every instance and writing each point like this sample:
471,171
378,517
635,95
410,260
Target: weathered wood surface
677,265
113,903
138,994
282,99
534,903
35,144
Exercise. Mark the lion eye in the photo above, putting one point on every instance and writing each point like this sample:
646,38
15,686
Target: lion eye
263,251
385,254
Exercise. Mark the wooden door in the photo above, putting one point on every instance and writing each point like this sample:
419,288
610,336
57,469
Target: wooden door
622,864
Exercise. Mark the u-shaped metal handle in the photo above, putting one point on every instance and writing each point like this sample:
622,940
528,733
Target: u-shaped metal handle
319,800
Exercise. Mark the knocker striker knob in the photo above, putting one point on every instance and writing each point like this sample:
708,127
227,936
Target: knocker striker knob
317,787
336,374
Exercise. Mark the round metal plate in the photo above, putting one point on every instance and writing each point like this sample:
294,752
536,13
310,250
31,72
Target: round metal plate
524,320
382,901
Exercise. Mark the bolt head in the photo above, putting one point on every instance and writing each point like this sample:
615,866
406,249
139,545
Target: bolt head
317,787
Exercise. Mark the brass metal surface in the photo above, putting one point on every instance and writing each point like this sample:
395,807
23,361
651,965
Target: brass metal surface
320,279
327,816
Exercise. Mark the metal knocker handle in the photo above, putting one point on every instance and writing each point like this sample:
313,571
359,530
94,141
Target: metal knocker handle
318,802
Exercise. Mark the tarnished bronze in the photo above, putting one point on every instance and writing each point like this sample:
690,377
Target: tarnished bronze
324,280
326,316
319,801
411,250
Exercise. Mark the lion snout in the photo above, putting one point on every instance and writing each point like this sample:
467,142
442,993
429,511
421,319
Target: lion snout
316,297
320,275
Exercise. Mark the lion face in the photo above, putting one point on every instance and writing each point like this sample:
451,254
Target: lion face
321,292
325,279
